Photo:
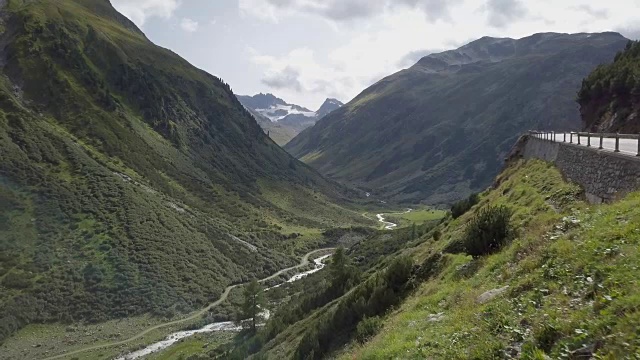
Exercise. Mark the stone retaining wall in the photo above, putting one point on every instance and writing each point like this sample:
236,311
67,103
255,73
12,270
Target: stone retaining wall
604,175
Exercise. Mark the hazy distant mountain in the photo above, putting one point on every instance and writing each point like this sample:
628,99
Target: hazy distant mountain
440,129
284,120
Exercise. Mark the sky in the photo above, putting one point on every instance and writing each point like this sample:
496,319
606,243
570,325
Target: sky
305,51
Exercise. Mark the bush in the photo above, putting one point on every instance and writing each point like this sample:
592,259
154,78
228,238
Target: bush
488,231
463,206
368,328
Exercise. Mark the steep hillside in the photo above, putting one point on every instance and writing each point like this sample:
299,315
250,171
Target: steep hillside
281,120
610,96
439,130
130,181
565,288
564,285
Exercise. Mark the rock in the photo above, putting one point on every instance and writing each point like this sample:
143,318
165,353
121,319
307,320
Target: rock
435,317
491,294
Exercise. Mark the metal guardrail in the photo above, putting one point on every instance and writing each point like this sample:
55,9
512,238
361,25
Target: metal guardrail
580,136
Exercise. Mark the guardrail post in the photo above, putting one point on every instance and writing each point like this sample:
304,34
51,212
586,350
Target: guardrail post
578,138
554,136
564,139
638,154
570,138
617,143
601,136
588,139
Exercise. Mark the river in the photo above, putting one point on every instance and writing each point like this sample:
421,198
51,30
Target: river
218,326
388,225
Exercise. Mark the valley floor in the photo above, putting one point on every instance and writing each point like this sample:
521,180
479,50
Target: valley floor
107,340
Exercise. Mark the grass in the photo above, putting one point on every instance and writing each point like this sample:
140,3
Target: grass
196,344
41,340
571,281
416,216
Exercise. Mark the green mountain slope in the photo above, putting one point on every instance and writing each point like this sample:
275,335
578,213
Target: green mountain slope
130,181
440,129
610,96
564,287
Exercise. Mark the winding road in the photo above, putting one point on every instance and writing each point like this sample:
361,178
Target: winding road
303,262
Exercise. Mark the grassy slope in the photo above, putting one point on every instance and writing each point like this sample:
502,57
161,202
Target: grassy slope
571,275
123,171
437,136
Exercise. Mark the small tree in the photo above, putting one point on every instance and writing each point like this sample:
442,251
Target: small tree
342,273
253,302
488,231
463,206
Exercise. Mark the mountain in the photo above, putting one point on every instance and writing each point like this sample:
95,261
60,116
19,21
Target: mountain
132,182
281,120
328,106
610,96
440,129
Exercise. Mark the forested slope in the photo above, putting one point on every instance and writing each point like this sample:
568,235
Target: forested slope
610,96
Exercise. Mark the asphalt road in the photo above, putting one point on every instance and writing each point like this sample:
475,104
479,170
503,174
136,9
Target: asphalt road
627,146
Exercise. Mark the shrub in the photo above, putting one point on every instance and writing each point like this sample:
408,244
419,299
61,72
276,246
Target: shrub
488,231
367,328
463,206
430,267
546,336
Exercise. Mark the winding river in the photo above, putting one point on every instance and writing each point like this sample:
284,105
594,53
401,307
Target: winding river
303,262
387,224
218,326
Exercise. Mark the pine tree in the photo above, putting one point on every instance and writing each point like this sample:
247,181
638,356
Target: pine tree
254,301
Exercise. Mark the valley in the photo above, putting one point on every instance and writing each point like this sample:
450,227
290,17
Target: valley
479,202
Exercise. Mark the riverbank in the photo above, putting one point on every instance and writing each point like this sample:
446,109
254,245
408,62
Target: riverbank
106,340
223,326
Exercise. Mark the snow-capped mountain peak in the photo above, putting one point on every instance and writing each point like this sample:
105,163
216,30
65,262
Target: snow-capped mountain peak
328,106
276,109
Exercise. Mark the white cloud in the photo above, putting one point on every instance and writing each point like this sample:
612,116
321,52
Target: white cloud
189,25
139,11
383,42
343,10
502,13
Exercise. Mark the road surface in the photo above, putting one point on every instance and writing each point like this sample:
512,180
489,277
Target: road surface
303,262
627,146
